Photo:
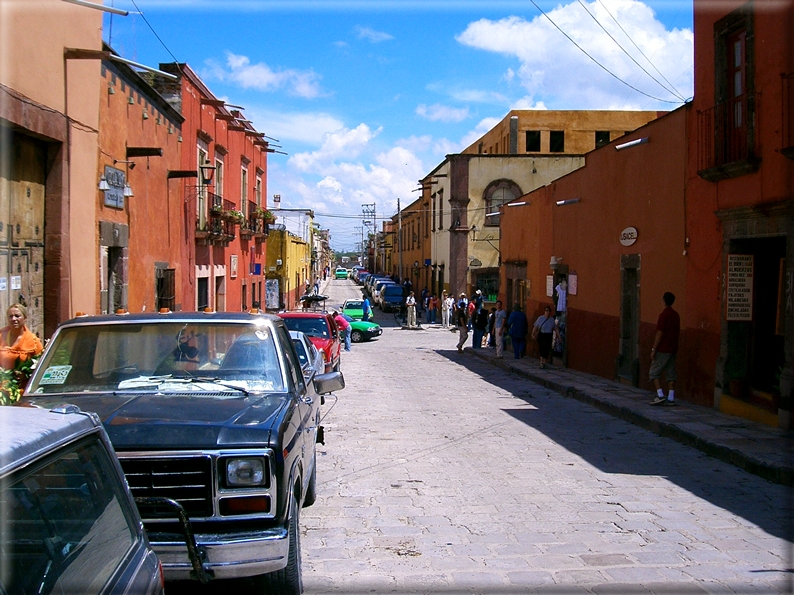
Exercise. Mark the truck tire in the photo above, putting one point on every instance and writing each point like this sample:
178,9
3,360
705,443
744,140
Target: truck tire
288,580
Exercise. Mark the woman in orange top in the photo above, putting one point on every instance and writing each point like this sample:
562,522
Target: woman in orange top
17,343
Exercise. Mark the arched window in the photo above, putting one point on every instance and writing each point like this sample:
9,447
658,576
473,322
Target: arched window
496,194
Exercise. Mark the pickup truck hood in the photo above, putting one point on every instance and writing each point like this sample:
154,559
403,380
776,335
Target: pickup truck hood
149,421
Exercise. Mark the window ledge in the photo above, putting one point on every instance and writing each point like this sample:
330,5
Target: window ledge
730,170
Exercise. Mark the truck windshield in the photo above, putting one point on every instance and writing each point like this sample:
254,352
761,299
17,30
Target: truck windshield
119,357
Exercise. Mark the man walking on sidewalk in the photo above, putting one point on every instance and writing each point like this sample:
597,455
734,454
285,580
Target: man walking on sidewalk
500,321
665,348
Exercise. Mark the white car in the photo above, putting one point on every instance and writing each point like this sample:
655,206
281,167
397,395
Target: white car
311,359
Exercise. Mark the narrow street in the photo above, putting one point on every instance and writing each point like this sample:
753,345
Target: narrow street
443,474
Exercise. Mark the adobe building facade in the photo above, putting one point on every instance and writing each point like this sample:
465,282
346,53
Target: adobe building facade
49,127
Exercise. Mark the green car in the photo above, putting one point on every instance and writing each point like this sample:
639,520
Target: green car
341,273
363,331
354,309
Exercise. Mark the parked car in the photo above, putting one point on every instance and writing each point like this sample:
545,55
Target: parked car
341,273
369,288
380,285
358,274
354,309
70,524
321,329
363,331
309,356
209,410
390,297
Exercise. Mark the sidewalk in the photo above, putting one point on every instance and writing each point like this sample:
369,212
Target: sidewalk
756,448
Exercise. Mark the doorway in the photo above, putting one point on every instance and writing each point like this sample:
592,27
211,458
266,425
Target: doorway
628,360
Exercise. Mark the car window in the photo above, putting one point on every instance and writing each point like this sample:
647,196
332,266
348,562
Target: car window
300,349
65,529
115,357
392,290
312,327
291,357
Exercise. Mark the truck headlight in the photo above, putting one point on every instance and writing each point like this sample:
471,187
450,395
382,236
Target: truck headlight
245,472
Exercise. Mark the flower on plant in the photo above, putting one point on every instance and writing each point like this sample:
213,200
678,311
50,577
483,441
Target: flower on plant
13,382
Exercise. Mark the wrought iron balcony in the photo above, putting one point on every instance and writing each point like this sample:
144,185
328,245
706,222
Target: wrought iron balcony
727,138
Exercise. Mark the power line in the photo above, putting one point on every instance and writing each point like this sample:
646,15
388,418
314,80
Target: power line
604,68
639,49
672,90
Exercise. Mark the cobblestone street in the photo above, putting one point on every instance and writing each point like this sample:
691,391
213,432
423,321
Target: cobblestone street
444,474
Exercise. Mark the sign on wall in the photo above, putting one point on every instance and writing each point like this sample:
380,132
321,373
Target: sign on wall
549,285
272,294
573,284
628,236
739,299
233,266
114,195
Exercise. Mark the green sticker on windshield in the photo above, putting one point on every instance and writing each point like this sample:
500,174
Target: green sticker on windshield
55,375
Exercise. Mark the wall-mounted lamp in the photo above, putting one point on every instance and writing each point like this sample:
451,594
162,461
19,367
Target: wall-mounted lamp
494,214
519,204
111,89
570,201
145,115
128,191
554,263
632,143
103,183
207,172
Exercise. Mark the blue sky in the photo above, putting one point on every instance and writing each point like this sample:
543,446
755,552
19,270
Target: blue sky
368,96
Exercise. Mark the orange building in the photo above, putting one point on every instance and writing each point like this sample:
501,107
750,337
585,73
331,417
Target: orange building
138,208
223,177
413,239
700,203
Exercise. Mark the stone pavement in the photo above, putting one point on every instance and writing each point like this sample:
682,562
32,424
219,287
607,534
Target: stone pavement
754,447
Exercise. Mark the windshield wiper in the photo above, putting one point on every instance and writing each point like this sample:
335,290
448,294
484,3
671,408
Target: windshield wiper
219,382
145,381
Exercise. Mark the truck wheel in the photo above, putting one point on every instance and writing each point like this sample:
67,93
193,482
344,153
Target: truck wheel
288,580
356,337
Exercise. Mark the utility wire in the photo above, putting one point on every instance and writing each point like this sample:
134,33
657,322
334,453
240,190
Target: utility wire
604,68
677,93
671,90
143,16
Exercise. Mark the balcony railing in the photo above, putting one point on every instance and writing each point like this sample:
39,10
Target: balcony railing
726,135
216,229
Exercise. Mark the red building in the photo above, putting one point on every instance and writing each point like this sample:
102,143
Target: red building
223,174
699,203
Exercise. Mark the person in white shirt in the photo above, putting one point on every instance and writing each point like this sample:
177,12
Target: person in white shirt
410,308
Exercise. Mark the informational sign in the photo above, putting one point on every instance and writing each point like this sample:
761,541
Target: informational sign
628,236
549,285
3,283
16,282
272,294
573,284
233,266
114,195
739,301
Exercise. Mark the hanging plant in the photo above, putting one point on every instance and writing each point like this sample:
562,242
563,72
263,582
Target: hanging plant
234,215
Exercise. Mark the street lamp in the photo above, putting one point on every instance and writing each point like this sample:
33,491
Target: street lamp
207,172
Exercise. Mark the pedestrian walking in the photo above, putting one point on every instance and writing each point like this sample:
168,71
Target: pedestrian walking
447,303
665,348
462,322
517,325
344,327
366,310
491,342
410,309
499,324
543,331
480,326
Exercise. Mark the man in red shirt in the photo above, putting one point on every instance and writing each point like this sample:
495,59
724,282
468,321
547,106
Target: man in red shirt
665,348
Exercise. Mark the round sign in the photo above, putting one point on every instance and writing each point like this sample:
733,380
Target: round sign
628,236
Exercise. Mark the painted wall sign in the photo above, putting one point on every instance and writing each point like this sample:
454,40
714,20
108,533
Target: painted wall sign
116,179
233,266
573,284
739,299
549,285
628,236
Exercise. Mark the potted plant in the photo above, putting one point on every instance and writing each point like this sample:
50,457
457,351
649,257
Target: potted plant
216,210
234,216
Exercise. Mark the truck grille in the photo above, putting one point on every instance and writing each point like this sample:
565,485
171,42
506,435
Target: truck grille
188,480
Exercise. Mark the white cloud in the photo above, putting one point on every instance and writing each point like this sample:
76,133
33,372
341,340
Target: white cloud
344,143
442,113
484,126
303,127
547,59
240,71
371,35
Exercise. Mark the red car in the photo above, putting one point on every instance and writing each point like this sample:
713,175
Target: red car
322,332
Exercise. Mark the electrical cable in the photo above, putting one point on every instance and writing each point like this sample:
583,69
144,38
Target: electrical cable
677,93
604,68
672,90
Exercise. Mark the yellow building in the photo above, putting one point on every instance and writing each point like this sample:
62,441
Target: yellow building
289,261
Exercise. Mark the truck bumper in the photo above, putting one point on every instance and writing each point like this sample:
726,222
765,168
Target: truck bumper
225,556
